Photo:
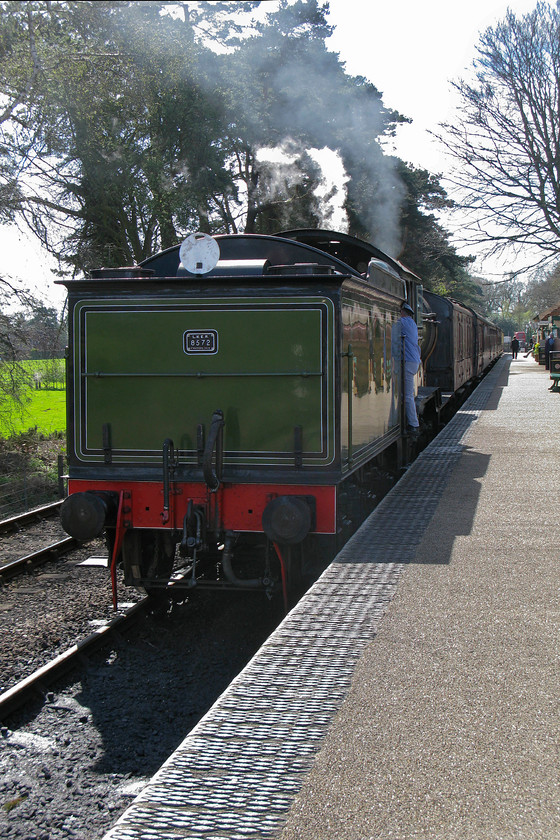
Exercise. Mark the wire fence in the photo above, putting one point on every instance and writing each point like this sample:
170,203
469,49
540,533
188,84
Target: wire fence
30,488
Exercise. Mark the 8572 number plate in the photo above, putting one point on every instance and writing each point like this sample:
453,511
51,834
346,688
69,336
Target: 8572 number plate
200,342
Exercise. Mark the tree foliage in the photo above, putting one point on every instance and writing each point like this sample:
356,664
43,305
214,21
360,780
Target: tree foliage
507,140
127,125
508,304
543,292
287,90
426,244
127,130
28,330
118,138
513,304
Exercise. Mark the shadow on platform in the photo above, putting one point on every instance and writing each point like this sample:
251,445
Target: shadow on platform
455,513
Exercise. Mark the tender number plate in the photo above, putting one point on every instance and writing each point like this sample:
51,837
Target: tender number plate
201,342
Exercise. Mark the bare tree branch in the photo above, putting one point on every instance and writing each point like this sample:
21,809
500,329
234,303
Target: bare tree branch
507,143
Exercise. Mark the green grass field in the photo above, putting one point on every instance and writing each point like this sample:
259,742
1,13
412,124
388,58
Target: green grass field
47,411
44,409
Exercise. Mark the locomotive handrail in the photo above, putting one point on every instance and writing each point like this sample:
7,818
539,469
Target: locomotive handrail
168,456
350,356
212,476
199,374
402,407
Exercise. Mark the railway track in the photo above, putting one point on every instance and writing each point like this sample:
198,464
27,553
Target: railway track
37,683
42,622
91,703
12,531
54,598
71,760
38,514
29,562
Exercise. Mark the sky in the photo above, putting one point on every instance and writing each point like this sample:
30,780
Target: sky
410,50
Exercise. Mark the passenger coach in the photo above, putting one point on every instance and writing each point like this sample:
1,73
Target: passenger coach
463,344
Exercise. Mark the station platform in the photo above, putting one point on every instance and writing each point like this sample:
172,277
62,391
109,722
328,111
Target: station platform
414,692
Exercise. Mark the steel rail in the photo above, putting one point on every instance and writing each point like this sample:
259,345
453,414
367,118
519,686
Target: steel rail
12,523
35,683
37,558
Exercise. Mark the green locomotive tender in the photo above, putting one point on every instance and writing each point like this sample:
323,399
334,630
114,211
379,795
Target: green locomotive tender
223,400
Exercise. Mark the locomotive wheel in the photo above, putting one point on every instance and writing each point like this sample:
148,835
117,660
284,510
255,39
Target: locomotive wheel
148,559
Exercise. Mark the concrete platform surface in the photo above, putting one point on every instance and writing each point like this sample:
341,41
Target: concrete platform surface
413,692
450,730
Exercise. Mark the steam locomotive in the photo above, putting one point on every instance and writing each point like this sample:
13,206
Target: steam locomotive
229,398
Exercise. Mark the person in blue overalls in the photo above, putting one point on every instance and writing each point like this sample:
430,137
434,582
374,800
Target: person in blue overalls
409,330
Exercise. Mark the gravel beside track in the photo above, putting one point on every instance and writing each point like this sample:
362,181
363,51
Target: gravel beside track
69,766
43,613
28,538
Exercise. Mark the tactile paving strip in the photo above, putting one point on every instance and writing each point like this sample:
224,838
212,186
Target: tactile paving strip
236,775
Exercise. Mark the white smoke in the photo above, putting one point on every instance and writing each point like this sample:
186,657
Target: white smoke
333,188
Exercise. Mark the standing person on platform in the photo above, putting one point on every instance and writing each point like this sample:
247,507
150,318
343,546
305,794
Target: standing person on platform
514,348
548,346
409,331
